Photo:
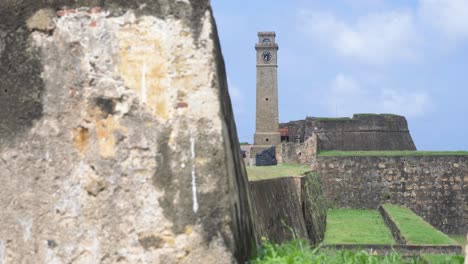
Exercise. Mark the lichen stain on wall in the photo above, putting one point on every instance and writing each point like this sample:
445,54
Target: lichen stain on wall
143,65
105,134
103,130
81,138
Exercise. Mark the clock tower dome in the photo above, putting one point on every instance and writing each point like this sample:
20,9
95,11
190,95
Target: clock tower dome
266,126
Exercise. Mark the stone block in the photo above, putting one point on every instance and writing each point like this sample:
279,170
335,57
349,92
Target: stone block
117,139
266,157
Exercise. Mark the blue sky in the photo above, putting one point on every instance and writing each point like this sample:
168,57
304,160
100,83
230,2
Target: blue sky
339,57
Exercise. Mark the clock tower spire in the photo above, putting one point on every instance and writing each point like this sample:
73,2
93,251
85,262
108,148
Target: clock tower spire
266,126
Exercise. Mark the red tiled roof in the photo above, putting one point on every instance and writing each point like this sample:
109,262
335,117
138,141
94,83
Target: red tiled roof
284,132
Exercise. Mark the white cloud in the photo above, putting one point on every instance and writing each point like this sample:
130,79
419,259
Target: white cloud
363,4
376,39
348,96
448,16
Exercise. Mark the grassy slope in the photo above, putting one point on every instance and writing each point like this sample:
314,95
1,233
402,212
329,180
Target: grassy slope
461,239
355,226
390,153
415,229
268,172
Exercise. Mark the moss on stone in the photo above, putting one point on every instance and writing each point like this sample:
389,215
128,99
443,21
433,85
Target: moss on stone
315,207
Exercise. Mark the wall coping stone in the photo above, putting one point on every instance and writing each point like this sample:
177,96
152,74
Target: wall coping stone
405,250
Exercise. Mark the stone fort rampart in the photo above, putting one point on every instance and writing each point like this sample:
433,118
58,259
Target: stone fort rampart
361,132
435,187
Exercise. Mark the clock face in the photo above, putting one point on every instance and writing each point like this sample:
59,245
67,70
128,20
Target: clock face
266,56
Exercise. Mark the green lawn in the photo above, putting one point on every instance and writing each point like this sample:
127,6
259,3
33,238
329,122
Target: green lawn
256,173
354,226
461,239
415,230
337,153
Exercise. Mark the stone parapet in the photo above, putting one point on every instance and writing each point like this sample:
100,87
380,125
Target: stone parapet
362,132
434,187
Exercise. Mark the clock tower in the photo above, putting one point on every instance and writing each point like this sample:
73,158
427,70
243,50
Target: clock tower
266,126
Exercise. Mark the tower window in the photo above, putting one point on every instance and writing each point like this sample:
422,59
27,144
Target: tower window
266,99
266,139
266,41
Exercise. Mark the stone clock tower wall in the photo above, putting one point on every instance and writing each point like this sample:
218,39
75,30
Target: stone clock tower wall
266,132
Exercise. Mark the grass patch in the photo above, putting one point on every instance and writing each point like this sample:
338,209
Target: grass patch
354,226
298,251
256,173
443,259
461,239
415,230
389,153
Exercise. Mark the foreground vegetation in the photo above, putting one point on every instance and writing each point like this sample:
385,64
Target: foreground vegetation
298,251
355,226
390,153
443,259
256,173
415,229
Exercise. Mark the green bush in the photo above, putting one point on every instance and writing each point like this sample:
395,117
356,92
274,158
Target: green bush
443,259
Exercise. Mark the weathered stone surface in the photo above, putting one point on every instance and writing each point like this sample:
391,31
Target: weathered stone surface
298,153
117,140
466,247
266,121
362,132
266,157
391,224
434,187
277,209
314,207
290,207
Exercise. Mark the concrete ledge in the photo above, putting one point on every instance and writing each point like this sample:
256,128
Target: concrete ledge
391,224
405,250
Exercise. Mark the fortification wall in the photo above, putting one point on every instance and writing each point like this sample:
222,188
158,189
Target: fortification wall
298,153
362,132
289,207
435,187
117,138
